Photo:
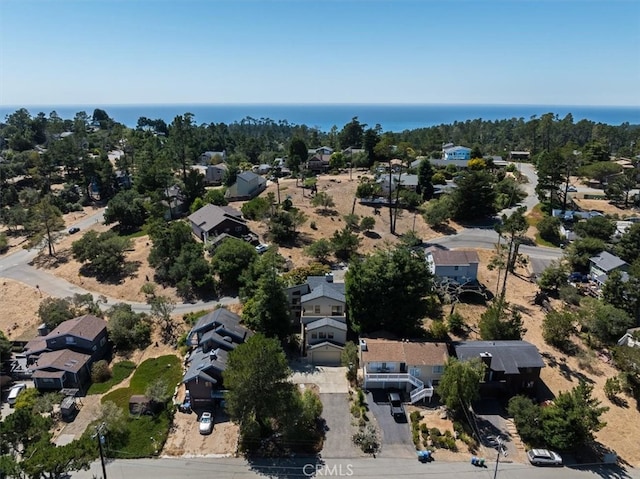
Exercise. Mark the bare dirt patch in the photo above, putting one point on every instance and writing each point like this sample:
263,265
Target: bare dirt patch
19,309
342,190
604,206
185,440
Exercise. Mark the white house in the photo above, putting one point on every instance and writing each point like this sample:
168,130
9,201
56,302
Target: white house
453,265
248,185
414,366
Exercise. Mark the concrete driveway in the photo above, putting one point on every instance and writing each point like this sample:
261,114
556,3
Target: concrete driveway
395,436
328,379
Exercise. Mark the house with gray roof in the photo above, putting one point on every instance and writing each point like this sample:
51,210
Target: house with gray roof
212,338
601,265
319,306
248,185
211,221
456,153
407,182
511,367
210,157
459,266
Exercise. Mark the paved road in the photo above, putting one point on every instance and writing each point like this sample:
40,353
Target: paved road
17,266
366,468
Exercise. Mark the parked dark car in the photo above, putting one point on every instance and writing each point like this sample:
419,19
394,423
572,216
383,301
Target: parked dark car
577,277
73,230
396,407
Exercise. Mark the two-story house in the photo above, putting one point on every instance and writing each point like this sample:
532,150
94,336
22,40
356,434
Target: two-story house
459,266
213,174
63,357
408,365
407,182
212,337
512,367
320,308
248,185
211,221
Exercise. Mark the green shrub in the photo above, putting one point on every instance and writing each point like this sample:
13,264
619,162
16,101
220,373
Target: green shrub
435,432
355,410
415,416
100,371
424,429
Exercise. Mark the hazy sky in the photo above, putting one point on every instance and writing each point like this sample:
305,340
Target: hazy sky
559,52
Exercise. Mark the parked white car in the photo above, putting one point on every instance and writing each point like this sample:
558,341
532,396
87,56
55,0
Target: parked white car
544,457
261,248
206,423
14,392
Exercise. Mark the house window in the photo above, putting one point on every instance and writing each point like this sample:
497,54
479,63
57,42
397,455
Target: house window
336,310
456,268
103,341
314,335
238,228
207,384
316,309
330,335
70,340
94,348
322,335
438,369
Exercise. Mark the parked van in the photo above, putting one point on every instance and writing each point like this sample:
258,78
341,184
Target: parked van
13,394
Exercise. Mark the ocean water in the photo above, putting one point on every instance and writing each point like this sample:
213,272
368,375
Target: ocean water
395,118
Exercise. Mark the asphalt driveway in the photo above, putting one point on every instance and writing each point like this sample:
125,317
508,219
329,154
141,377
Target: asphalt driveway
338,427
395,436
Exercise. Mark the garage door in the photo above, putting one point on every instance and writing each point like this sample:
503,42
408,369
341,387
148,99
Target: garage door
330,357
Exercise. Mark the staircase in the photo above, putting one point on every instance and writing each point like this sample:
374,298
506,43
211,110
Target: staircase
420,392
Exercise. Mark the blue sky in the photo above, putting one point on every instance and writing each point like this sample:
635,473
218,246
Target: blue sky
102,52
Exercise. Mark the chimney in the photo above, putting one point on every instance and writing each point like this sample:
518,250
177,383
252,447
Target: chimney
486,359
363,345
43,330
213,355
328,277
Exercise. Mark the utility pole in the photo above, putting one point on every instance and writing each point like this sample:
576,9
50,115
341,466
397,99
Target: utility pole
100,437
499,440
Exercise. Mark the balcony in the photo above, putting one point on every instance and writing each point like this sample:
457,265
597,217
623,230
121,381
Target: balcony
421,390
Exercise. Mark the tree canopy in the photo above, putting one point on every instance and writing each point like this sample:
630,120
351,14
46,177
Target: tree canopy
388,290
460,383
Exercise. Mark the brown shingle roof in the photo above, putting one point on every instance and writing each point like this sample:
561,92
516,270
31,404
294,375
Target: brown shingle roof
411,352
86,327
454,257
63,360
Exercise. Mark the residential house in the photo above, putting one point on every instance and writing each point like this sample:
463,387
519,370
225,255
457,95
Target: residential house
248,185
323,342
61,369
212,337
319,163
211,221
512,367
319,307
459,266
408,182
571,215
85,335
353,151
63,357
213,174
414,366
631,338
323,150
174,203
602,265
456,153
519,155
211,157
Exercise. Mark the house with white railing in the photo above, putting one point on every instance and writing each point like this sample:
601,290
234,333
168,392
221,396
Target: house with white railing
412,366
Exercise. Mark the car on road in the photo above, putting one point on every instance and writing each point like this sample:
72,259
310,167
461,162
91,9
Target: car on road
14,393
396,407
261,248
572,189
544,457
205,425
73,229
